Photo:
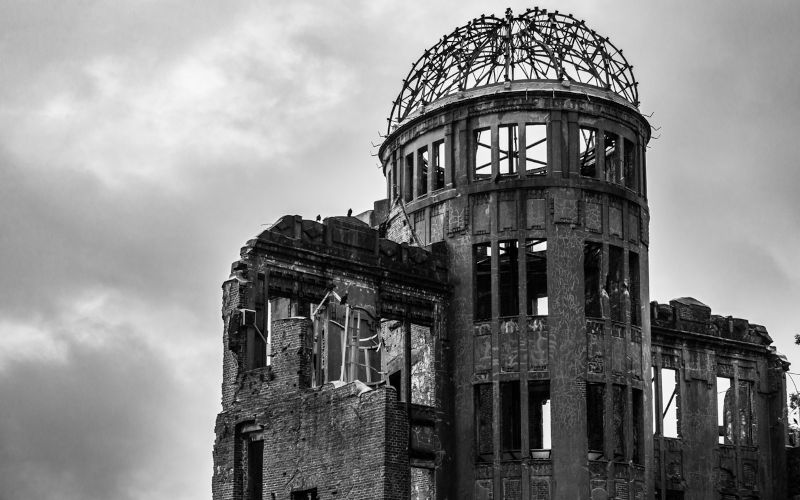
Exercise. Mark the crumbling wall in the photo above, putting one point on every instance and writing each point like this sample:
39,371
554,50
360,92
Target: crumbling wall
347,442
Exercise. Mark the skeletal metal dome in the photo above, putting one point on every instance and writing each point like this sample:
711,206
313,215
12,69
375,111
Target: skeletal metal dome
535,45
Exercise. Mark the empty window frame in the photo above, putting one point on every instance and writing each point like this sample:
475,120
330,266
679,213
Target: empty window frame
595,414
255,470
438,165
510,417
725,410
536,273
614,283
508,150
539,415
745,407
536,148
637,400
670,401
484,418
408,178
310,494
508,278
482,154
619,402
395,177
482,264
611,156
422,171
592,269
587,152
629,164
634,289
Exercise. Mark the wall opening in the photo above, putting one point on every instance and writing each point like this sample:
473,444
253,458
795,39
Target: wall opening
611,156
539,416
635,289
484,418
482,264
482,154
408,178
510,419
508,274
310,494
438,165
587,158
536,148
614,283
508,152
670,400
592,269
724,421
595,415
255,470
637,400
619,401
422,170
628,164
536,270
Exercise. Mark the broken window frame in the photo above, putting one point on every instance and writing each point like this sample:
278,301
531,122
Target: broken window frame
508,149
508,277
423,157
668,428
611,160
592,272
536,145
484,421
587,152
634,290
537,303
510,420
408,178
629,164
438,165
482,269
619,412
595,419
307,494
615,281
637,401
539,418
481,165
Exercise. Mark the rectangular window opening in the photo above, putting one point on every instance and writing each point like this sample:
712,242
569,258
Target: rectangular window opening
745,413
508,153
510,416
484,418
536,148
592,267
422,170
482,264
614,283
611,157
619,400
438,165
595,413
310,494
255,470
587,152
536,272
724,410
635,298
628,164
508,273
539,416
670,399
637,400
482,154
395,381
408,178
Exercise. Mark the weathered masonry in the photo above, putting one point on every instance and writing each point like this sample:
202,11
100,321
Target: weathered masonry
486,331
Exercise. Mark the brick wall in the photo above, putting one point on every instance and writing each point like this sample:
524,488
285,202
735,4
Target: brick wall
345,441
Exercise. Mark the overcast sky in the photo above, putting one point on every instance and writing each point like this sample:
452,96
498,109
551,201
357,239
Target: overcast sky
142,143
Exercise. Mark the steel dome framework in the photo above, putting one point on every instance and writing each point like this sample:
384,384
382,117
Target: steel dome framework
535,45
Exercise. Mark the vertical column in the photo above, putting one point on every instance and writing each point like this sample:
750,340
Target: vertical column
449,157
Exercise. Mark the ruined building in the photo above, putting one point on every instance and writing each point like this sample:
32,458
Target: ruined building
486,330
